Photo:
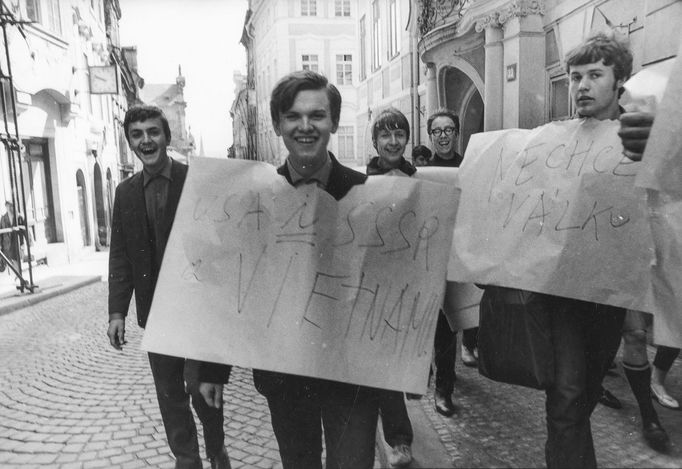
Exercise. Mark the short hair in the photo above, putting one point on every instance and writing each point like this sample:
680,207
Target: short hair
390,119
442,112
286,90
142,112
603,46
421,150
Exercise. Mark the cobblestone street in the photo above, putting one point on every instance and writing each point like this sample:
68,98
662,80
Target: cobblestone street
499,425
68,400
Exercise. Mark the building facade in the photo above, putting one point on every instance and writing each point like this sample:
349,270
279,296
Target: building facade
287,35
71,153
500,63
243,114
495,63
388,69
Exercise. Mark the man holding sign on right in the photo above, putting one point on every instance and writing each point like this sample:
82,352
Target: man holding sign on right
584,335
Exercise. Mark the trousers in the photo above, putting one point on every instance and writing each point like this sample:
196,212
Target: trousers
394,418
585,339
301,407
445,352
169,375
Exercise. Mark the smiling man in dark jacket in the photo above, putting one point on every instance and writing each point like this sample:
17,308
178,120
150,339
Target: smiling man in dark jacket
305,110
144,210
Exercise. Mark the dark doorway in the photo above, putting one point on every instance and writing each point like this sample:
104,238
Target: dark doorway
100,212
39,184
460,95
83,207
110,199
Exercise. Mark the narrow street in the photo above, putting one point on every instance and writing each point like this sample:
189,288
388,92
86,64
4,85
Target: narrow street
68,400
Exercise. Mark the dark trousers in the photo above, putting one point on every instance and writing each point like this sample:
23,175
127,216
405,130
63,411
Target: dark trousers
585,338
181,432
470,338
302,407
394,419
445,352
665,357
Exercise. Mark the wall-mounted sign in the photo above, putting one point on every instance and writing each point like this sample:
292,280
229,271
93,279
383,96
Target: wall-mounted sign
103,79
511,72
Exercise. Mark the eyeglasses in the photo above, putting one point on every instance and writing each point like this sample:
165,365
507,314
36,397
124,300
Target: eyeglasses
447,131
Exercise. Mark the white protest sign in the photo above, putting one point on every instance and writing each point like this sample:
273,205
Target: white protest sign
554,210
263,275
661,175
461,301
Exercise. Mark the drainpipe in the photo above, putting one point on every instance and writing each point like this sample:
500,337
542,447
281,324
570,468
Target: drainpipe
414,81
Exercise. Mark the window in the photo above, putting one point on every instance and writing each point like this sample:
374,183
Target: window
551,49
341,7
393,32
345,136
363,49
7,91
308,7
376,47
309,62
559,107
45,12
33,10
344,69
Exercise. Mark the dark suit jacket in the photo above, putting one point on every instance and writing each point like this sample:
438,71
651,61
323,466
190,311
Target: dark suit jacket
132,264
341,179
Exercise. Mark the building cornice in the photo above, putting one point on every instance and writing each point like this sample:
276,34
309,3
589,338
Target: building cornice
515,9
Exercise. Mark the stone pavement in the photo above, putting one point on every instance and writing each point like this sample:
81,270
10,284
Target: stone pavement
69,400
499,425
51,281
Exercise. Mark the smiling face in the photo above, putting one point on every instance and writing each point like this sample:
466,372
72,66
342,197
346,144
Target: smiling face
594,90
390,145
148,140
444,145
305,129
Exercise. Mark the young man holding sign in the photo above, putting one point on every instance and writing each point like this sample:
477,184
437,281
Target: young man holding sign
144,210
305,110
584,335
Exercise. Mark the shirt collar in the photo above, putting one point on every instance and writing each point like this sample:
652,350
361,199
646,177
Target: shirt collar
165,172
321,176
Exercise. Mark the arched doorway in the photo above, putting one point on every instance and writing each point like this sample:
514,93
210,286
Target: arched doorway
83,207
472,116
100,213
459,94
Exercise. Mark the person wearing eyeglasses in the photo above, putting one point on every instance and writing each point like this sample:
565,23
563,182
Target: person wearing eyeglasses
443,129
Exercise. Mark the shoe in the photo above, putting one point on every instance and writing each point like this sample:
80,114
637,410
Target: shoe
609,400
220,461
444,404
655,436
412,397
665,400
468,358
401,455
